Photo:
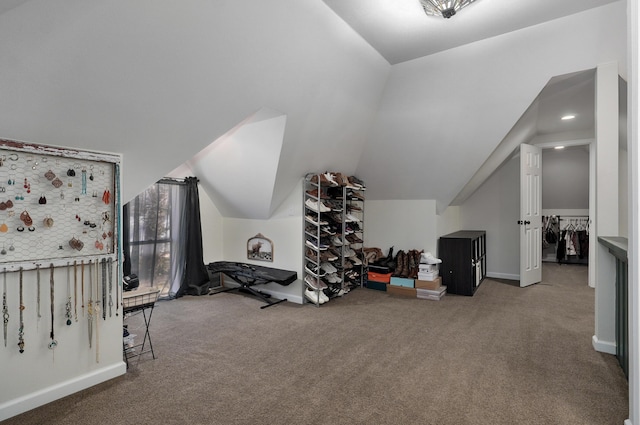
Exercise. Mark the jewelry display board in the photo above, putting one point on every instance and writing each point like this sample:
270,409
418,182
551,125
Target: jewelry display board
56,204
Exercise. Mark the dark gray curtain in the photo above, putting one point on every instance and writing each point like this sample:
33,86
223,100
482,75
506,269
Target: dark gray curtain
126,246
195,279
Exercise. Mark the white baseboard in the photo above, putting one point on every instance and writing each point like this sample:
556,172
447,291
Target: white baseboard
506,276
628,422
58,391
604,346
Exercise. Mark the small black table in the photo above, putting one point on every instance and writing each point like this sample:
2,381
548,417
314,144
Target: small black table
248,275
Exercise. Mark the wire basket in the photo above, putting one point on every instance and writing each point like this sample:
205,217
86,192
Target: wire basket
149,296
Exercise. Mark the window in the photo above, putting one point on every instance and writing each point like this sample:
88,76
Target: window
154,232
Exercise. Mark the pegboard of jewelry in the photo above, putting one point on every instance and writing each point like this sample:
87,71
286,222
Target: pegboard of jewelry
56,205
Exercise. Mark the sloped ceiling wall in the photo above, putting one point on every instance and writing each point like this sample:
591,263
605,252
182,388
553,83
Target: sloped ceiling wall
442,115
158,81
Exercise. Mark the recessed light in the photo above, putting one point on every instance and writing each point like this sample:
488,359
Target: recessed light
558,147
568,117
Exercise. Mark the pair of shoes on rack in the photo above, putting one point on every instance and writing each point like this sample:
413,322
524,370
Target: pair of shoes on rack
428,258
314,269
315,283
317,194
312,243
316,206
315,297
328,267
314,219
333,278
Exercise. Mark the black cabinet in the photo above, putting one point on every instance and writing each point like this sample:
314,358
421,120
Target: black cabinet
464,263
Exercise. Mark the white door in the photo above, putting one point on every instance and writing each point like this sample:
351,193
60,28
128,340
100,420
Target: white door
530,215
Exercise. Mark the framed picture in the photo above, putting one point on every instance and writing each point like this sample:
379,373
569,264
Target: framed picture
260,248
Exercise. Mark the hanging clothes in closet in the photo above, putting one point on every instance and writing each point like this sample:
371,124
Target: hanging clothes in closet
573,243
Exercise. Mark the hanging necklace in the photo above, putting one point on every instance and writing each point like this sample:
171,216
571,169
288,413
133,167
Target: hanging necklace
110,268
53,344
38,293
97,308
117,298
5,309
68,305
21,328
90,307
103,263
75,290
82,284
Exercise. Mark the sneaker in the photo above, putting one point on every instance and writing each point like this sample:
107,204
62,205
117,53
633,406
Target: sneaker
352,238
313,218
349,218
334,205
328,230
428,258
357,196
314,283
316,245
351,185
329,255
336,217
348,252
336,241
348,230
332,278
356,182
314,269
328,267
356,260
331,178
315,297
311,255
316,206
316,192
341,179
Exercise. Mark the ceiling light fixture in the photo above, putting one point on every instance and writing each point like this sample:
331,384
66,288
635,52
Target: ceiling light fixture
444,8
568,117
558,147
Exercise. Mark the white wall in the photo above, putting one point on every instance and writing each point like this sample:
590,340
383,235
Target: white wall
565,178
405,225
40,375
161,82
285,231
442,115
495,207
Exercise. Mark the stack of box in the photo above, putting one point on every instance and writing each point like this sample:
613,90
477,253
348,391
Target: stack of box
429,283
402,286
378,281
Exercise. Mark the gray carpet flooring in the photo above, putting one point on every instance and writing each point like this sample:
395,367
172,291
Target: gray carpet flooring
507,355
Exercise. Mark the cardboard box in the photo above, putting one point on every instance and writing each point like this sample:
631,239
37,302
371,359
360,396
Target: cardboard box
429,284
378,286
402,291
401,281
379,277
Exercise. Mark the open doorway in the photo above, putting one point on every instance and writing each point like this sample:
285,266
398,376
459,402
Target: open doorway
565,205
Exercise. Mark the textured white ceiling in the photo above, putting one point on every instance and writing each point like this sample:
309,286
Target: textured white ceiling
401,31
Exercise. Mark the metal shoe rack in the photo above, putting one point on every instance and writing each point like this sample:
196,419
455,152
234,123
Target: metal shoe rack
333,234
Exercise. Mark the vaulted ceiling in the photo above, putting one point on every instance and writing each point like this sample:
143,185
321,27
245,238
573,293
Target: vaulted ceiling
346,81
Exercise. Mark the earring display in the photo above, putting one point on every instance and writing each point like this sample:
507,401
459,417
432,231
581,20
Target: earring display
39,202
5,309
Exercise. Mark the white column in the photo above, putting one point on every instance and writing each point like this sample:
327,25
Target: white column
633,47
606,220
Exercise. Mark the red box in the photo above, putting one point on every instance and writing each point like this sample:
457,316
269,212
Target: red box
379,277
